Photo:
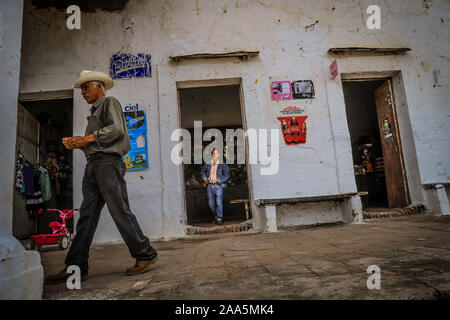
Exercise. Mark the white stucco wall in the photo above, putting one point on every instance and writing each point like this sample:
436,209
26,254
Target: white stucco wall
290,48
309,213
21,273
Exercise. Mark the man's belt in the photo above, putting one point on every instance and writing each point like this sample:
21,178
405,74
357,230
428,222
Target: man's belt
102,155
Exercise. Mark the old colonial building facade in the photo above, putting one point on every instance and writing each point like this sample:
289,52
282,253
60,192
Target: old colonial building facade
376,131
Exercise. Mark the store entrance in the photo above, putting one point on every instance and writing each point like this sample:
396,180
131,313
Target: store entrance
39,152
217,107
376,144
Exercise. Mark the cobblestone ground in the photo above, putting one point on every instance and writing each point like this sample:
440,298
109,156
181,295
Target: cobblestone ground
328,262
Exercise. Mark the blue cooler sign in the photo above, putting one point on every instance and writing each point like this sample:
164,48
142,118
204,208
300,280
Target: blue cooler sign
137,157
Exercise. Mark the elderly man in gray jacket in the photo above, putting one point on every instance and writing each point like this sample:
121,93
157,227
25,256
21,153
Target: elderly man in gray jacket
105,142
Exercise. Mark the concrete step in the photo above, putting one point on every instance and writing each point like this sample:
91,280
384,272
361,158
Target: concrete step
376,213
226,227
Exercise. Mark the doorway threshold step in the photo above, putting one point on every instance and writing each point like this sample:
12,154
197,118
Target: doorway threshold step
230,227
375,213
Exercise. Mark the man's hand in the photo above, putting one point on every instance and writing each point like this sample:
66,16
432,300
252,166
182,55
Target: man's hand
77,142
205,181
213,180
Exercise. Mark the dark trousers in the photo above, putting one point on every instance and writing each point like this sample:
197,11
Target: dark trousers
103,182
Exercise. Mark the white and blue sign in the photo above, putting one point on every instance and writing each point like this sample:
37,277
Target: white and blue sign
127,66
137,157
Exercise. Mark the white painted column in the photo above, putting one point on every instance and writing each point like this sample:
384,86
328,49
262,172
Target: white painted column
21,273
443,199
357,209
271,216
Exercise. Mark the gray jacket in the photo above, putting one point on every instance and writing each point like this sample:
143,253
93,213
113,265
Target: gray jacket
109,127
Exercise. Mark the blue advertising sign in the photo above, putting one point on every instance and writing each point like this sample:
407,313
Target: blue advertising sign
137,157
127,66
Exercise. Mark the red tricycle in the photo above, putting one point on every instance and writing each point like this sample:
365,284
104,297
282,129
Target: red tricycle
60,234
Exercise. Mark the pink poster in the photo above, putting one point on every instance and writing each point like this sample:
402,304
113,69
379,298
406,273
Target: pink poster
281,90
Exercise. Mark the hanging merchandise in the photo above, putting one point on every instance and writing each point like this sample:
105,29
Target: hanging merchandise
63,174
367,158
51,165
28,178
35,202
19,181
45,184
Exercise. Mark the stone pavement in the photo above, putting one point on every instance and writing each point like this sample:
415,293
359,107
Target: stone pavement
328,262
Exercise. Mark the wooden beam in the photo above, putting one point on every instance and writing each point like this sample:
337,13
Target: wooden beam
208,83
242,55
331,197
46,95
366,50
370,75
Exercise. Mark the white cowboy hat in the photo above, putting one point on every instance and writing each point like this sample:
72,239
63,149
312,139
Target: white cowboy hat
87,75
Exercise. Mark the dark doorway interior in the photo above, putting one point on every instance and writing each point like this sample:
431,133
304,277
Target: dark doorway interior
55,121
217,107
365,139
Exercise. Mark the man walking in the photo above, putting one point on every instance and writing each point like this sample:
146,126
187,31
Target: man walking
215,175
105,142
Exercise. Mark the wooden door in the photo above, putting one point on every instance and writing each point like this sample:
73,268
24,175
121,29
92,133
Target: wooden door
27,142
394,168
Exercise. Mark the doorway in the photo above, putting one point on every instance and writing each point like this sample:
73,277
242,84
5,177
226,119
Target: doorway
376,144
217,106
40,127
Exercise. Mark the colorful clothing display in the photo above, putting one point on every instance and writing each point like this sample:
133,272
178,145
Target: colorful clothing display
35,202
45,184
20,162
28,177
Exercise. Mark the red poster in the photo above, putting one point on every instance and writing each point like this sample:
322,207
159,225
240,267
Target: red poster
293,129
334,70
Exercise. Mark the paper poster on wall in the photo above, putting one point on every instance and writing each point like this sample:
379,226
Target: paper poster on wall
302,89
127,66
281,90
334,70
292,110
387,127
293,129
137,157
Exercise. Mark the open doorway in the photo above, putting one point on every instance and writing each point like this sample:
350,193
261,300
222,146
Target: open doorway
40,127
217,107
376,145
